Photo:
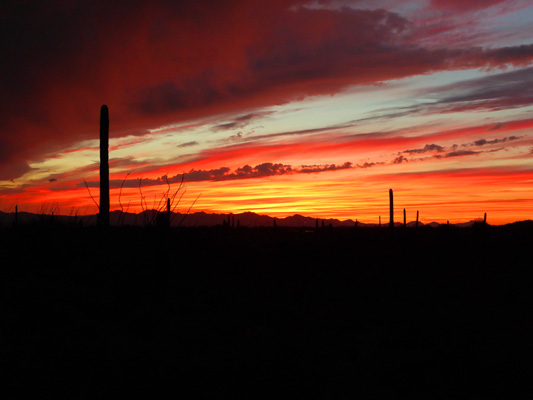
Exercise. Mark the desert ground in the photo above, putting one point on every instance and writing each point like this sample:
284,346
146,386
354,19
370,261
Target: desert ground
263,312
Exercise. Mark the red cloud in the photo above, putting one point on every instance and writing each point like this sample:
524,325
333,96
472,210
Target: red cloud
157,64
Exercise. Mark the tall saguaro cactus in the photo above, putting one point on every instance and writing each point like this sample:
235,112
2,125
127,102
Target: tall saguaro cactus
391,209
103,216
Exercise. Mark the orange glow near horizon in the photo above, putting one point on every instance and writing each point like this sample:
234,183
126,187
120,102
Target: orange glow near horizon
457,196
461,188
457,180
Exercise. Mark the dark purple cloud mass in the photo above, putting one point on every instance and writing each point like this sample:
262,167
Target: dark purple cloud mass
188,144
425,149
225,173
400,159
460,153
483,142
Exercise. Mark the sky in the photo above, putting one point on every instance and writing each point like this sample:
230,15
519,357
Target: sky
276,107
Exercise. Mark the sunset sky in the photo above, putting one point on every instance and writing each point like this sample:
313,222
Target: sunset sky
274,107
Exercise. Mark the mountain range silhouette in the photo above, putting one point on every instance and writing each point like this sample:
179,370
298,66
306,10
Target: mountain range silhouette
203,219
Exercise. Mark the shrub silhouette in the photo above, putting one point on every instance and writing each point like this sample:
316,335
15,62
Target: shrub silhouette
163,218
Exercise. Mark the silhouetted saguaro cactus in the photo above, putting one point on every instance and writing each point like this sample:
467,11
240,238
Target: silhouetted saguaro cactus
404,219
485,218
391,209
416,225
103,215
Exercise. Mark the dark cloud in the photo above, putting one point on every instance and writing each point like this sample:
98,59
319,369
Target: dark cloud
400,159
241,121
460,153
188,144
238,135
225,173
369,164
202,175
267,169
229,125
482,142
321,168
426,148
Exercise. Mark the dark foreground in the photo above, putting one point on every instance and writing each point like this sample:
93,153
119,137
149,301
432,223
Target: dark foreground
252,313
